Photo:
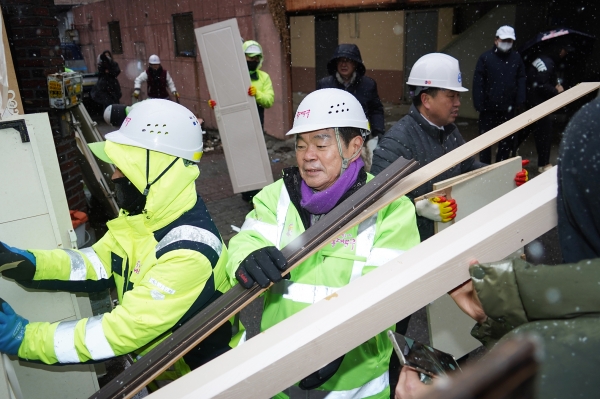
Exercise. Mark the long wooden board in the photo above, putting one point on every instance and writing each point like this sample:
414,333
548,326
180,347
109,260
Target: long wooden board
449,327
128,382
295,347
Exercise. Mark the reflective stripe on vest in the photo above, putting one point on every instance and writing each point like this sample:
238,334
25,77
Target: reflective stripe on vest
64,342
282,208
78,270
96,263
364,243
371,388
303,293
191,233
95,341
267,230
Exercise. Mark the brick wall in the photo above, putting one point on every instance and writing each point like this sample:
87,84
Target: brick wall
32,32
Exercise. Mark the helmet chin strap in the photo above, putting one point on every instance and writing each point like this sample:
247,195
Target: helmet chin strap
345,161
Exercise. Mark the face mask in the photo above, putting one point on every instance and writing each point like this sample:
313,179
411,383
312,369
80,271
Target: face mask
129,197
504,46
252,65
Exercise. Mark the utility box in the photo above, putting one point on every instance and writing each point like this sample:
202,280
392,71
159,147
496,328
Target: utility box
65,89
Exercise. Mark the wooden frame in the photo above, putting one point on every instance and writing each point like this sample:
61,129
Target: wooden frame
292,349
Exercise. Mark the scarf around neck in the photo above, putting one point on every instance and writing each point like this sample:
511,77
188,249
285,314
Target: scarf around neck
320,202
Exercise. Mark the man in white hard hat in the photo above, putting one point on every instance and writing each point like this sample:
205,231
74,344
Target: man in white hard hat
158,80
499,90
330,127
428,132
163,254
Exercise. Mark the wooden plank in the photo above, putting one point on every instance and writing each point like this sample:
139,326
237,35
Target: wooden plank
295,347
475,191
229,304
236,112
449,327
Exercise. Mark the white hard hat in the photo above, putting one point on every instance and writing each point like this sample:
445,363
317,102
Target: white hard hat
162,126
506,32
154,59
329,108
436,70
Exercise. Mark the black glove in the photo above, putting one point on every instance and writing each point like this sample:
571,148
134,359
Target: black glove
263,266
321,376
16,263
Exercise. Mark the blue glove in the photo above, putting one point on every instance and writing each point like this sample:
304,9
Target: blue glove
16,263
12,329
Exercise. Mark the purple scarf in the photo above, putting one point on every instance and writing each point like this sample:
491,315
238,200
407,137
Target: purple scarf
320,202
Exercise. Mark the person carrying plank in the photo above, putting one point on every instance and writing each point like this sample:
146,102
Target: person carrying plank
330,127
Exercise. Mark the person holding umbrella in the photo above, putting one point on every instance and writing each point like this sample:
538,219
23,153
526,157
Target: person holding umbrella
544,57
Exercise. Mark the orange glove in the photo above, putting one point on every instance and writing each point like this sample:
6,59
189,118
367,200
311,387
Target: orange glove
252,91
438,209
212,103
522,176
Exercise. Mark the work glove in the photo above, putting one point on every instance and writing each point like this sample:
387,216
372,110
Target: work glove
321,376
438,209
12,329
262,266
252,91
212,103
522,176
136,93
16,263
176,94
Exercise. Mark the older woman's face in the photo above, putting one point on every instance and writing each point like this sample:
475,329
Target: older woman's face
318,157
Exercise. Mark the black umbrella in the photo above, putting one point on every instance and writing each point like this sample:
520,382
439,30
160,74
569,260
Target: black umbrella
556,39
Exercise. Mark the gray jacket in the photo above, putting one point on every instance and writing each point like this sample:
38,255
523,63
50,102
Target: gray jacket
412,137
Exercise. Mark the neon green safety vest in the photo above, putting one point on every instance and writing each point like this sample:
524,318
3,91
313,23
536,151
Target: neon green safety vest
382,237
166,264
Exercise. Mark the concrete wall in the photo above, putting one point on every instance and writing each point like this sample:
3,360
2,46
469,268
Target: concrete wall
470,44
151,23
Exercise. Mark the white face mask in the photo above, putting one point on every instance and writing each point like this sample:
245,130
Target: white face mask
504,46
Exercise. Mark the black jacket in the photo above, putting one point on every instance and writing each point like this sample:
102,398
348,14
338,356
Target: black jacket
412,137
541,80
578,188
363,87
499,81
107,90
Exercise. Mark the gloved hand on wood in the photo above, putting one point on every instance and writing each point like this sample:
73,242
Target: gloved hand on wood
438,209
263,266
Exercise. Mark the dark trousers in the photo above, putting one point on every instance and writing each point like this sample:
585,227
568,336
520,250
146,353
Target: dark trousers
506,147
542,133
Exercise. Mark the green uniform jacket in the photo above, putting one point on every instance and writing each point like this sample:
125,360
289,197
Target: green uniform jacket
265,96
560,304
166,263
275,221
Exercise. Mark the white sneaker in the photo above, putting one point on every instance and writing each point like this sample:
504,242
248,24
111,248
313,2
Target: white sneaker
542,169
